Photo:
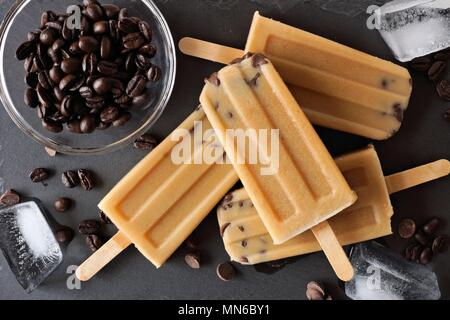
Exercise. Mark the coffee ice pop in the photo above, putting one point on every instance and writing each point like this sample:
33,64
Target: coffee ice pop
160,203
247,240
338,87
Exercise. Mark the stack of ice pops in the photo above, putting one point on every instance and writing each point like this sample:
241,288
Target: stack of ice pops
342,201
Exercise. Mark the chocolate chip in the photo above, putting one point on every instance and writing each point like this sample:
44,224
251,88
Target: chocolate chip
315,291
440,244
9,198
407,228
259,60
193,260
223,228
64,234
431,226
63,204
214,79
226,271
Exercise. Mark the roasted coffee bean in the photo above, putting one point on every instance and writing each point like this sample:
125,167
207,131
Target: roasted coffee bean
141,101
114,31
44,112
64,234
88,227
56,25
89,64
65,54
52,126
59,95
128,25
154,74
193,260
31,79
58,117
25,50
31,98
9,198
58,44
407,228
133,40
39,175
431,226
426,256
94,242
46,17
146,30
62,204
48,36
105,47
443,89
440,244
54,55
442,56
111,11
143,62
44,80
225,271
107,68
74,126
103,85
28,64
110,114
71,83
66,106
146,142
94,12
103,126
86,92
122,120
136,86
44,96
416,251
87,179
421,238
70,179
88,44
88,124
130,63
33,35
72,65
409,252
104,218
56,74
123,13
148,50
122,100
95,102
75,49
40,63
101,27
436,70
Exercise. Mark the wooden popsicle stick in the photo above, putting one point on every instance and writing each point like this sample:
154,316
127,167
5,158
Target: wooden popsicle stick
333,250
414,177
102,257
209,51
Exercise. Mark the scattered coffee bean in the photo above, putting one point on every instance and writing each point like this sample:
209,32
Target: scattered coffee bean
407,228
63,204
431,226
193,260
416,251
39,175
70,179
440,244
443,89
87,179
436,70
52,126
225,271
94,242
421,64
421,238
9,198
315,291
154,74
104,218
64,234
146,142
89,227
426,256
88,124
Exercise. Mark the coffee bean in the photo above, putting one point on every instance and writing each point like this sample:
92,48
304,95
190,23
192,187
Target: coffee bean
442,56
88,227
46,17
193,260
123,13
142,100
95,102
103,126
25,50
56,74
443,89
44,96
52,126
39,175
62,204
64,234
143,62
407,228
68,82
47,36
56,25
33,35
107,68
421,238
104,218
133,40
416,252
87,179
31,98
130,63
105,47
122,120
426,256
74,126
94,12
431,226
436,70
440,244
9,198
225,271
94,242
409,252
111,11
146,142
71,66
31,79
28,64
122,100
58,44
110,114
102,85
315,291
146,30
59,117
101,27
89,64
148,50
70,179
128,25
88,44
136,86
88,124
154,74
44,80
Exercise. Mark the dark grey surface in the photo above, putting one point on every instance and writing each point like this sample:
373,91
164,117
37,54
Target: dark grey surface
424,138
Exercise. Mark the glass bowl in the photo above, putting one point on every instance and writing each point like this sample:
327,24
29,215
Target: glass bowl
25,16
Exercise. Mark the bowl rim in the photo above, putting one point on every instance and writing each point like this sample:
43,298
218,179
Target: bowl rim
159,109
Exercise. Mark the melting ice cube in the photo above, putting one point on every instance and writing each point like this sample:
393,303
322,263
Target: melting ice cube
415,28
383,275
28,244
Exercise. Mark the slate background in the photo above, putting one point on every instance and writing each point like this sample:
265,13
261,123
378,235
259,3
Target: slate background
423,138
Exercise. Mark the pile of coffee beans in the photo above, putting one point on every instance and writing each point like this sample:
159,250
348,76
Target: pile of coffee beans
92,229
83,177
425,243
88,79
435,67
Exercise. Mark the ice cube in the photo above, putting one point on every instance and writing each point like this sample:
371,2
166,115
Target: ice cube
415,28
28,243
381,274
